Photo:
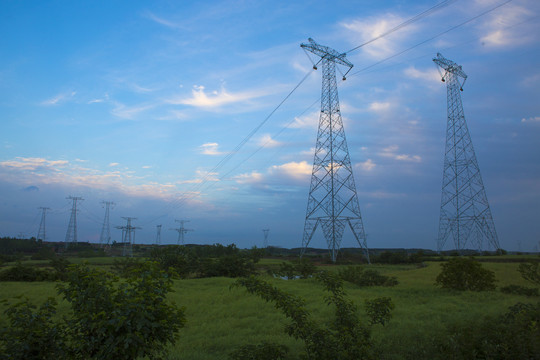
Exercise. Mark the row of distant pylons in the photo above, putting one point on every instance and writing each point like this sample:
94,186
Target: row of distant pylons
465,215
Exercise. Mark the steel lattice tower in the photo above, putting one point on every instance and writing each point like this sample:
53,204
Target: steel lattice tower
128,236
158,234
465,214
42,234
265,233
181,231
71,234
332,201
105,238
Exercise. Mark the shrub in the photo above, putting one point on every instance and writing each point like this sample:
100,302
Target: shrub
461,273
31,333
264,351
22,272
344,338
530,271
358,276
379,310
121,320
519,290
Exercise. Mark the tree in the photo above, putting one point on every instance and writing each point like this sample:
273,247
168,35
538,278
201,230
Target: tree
530,271
461,273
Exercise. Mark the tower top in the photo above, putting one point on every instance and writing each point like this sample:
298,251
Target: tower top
449,67
327,53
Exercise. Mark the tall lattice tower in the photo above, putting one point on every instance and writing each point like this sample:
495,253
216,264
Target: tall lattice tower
105,238
332,201
71,234
465,214
128,236
265,233
158,234
42,234
181,231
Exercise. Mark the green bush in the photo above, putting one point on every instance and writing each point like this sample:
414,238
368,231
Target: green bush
31,333
461,273
22,272
530,271
264,351
344,338
361,277
519,290
379,310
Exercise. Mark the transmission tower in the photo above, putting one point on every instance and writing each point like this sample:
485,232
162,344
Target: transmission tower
128,236
158,235
265,233
332,201
42,234
181,231
465,214
71,234
105,238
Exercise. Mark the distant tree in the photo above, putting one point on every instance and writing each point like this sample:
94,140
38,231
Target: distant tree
530,271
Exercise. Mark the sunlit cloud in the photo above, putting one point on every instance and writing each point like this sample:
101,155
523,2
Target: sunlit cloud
267,141
254,177
391,152
129,112
202,99
310,120
294,170
367,165
162,21
379,106
429,75
114,164
210,149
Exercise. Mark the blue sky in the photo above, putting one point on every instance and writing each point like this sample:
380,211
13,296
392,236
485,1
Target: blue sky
139,102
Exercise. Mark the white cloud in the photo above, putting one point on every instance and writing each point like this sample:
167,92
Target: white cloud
129,112
200,98
162,21
295,170
499,30
430,75
59,98
210,149
379,106
114,164
370,28
252,178
531,119
391,152
310,121
367,165
267,141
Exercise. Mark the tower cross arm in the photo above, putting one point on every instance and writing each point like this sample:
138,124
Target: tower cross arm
449,66
326,52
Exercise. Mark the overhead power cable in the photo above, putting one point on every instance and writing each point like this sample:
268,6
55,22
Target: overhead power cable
406,23
431,38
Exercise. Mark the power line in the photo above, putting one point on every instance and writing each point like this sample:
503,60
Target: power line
431,38
406,23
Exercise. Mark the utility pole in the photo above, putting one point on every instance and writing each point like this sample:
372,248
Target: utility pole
265,233
158,235
105,238
42,234
71,234
465,215
181,231
332,201
128,236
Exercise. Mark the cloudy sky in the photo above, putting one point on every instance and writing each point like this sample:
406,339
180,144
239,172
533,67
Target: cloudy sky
167,109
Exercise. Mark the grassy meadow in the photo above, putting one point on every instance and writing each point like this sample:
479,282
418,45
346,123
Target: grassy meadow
221,318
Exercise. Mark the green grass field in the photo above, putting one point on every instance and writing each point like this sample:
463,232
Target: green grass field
221,318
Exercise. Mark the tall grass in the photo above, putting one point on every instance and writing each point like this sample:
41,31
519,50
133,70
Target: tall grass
220,318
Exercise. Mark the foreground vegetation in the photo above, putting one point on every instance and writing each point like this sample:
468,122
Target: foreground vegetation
427,321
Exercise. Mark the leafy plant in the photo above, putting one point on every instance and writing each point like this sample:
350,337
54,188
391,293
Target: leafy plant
31,333
461,273
519,290
379,310
264,351
121,320
361,277
530,271
344,338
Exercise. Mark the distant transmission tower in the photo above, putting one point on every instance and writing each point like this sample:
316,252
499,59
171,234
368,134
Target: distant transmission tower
105,238
158,235
265,232
332,201
128,236
181,231
42,234
71,234
465,214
